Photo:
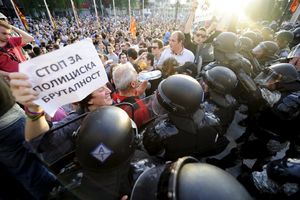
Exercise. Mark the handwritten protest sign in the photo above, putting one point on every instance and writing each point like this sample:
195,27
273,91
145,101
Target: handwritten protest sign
66,75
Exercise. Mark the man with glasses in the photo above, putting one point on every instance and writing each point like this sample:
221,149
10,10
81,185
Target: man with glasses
203,51
157,48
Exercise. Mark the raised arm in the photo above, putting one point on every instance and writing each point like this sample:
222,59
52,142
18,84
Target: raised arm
26,37
189,23
36,123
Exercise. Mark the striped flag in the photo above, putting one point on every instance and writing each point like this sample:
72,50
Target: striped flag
20,15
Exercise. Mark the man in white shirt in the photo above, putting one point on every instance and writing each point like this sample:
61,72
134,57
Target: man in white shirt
176,50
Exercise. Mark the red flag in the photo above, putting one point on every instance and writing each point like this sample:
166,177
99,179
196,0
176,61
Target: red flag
22,17
294,6
133,27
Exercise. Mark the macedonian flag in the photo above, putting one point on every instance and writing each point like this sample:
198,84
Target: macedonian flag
133,27
22,17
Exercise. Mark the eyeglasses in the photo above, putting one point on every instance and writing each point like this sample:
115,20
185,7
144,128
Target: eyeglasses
200,35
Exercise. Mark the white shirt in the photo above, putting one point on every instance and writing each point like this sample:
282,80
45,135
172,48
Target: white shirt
183,57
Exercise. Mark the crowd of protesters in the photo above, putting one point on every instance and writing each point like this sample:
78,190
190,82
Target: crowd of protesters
235,105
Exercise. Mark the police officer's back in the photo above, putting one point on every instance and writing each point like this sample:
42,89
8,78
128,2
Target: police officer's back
106,147
184,129
220,82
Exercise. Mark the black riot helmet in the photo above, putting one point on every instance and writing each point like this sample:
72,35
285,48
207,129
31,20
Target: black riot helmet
284,37
187,179
226,48
246,44
296,39
106,139
252,35
220,79
266,48
179,93
227,42
267,33
278,73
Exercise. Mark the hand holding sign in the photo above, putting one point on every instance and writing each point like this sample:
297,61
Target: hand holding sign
66,75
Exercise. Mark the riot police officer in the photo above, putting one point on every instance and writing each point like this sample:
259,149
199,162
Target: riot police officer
281,118
246,46
265,52
226,48
275,124
187,179
283,39
183,128
220,82
246,51
106,152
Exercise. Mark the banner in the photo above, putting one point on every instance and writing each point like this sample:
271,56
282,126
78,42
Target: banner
66,75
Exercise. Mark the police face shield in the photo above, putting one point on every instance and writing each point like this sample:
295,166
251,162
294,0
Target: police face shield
259,49
146,185
295,52
267,77
156,106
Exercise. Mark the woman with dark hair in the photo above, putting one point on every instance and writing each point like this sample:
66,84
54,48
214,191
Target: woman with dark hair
169,66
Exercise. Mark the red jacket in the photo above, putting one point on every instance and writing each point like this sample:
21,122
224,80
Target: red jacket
141,112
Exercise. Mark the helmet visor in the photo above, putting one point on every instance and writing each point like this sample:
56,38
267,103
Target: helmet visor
259,49
267,77
146,185
295,52
157,109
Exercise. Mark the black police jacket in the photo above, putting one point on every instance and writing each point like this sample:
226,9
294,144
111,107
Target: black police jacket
283,118
173,136
108,184
223,106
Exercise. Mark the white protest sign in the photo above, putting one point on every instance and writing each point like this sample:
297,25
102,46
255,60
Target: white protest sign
203,13
66,75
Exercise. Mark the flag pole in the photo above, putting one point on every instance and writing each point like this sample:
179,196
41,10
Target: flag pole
129,9
96,13
49,14
14,6
114,8
143,7
75,13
